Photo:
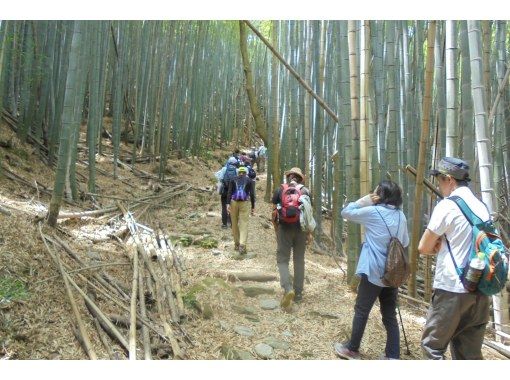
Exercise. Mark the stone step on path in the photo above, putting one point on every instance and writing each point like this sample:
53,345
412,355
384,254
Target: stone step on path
266,348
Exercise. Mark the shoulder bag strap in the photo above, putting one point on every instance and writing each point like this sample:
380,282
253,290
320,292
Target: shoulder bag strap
398,227
471,217
457,269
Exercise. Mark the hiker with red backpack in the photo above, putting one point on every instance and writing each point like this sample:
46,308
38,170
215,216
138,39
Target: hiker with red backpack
379,212
240,204
290,236
458,314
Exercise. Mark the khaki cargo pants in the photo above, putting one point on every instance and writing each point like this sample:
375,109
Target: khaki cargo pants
239,214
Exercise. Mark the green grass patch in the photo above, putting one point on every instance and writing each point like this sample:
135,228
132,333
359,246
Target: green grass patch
12,289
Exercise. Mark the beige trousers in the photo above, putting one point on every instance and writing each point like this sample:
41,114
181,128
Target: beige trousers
239,214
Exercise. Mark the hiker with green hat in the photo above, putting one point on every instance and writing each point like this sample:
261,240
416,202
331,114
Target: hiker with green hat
456,317
240,195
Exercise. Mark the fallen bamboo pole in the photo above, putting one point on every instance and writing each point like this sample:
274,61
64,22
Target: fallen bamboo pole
82,270
145,332
86,344
102,318
294,73
95,311
134,295
85,214
103,279
102,338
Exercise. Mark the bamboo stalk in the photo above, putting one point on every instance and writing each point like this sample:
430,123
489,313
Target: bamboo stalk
174,314
82,332
134,291
294,73
175,280
103,279
102,338
100,315
81,270
498,97
143,312
85,214
418,194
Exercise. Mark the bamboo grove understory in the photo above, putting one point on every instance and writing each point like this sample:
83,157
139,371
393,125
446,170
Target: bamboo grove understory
350,102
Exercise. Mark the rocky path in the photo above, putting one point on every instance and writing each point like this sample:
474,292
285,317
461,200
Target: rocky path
243,320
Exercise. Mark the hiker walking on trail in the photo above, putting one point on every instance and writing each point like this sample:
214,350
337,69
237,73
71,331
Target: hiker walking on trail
226,174
290,235
240,203
456,316
380,214
261,159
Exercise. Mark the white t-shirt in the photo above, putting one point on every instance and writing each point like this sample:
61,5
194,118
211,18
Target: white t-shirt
448,219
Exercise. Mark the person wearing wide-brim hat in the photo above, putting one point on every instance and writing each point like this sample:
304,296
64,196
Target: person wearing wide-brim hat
290,237
295,173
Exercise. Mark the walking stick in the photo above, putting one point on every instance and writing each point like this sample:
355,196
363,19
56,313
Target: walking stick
403,331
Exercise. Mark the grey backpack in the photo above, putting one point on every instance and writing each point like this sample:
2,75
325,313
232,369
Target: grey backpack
396,269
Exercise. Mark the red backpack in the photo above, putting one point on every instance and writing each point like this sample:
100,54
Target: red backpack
289,211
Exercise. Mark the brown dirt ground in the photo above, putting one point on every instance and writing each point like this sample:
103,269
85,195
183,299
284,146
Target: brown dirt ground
40,325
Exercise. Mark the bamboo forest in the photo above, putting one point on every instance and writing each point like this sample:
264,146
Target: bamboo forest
112,242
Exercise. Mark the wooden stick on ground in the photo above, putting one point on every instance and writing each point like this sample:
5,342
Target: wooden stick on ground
87,346
143,312
102,278
134,293
103,339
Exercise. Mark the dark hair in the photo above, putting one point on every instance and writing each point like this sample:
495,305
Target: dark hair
389,193
460,182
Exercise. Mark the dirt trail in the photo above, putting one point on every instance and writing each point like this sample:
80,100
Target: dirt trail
224,317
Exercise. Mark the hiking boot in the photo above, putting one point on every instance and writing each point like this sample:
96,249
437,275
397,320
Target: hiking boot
224,226
342,351
236,247
287,299
242,250
298,297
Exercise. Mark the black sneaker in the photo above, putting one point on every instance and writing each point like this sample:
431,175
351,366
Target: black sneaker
298,297
224,226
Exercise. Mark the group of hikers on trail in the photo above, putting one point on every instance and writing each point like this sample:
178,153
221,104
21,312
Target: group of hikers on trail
458,313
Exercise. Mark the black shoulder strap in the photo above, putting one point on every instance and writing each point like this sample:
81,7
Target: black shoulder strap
457,269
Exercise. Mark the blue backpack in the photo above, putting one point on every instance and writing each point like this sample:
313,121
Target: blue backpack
251,172
230,174
488,247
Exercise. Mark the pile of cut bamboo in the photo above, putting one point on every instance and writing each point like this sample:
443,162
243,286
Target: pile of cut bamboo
141,322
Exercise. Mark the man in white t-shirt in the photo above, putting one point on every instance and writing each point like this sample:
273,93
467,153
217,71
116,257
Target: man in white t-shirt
455,316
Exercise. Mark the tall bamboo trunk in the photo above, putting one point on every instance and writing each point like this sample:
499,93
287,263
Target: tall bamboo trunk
452,136
260,125
425,127
275,128
483,148
365,185
354,229
68,123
